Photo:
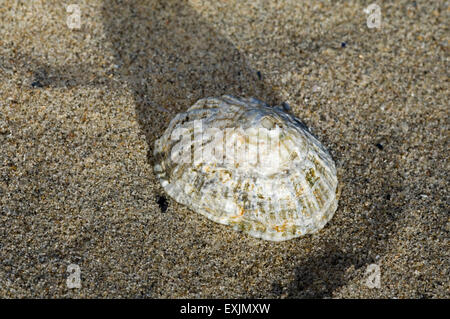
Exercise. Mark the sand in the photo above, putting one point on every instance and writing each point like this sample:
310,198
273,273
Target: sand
80,110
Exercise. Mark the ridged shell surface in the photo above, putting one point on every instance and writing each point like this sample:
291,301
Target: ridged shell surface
241,162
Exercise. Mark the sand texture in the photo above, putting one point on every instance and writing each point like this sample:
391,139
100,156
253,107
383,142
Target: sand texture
81,109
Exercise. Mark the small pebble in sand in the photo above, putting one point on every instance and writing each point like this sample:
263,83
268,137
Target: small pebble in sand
36,84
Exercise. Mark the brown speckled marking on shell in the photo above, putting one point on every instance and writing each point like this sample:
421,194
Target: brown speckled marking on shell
273,194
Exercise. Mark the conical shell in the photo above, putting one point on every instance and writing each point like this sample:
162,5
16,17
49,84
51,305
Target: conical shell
243,163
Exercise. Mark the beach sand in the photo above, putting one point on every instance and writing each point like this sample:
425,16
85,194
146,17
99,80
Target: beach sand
80,110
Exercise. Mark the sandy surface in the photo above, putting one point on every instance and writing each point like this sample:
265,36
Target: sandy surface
80,109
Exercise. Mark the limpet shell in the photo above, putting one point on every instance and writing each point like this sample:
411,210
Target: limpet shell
241,162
